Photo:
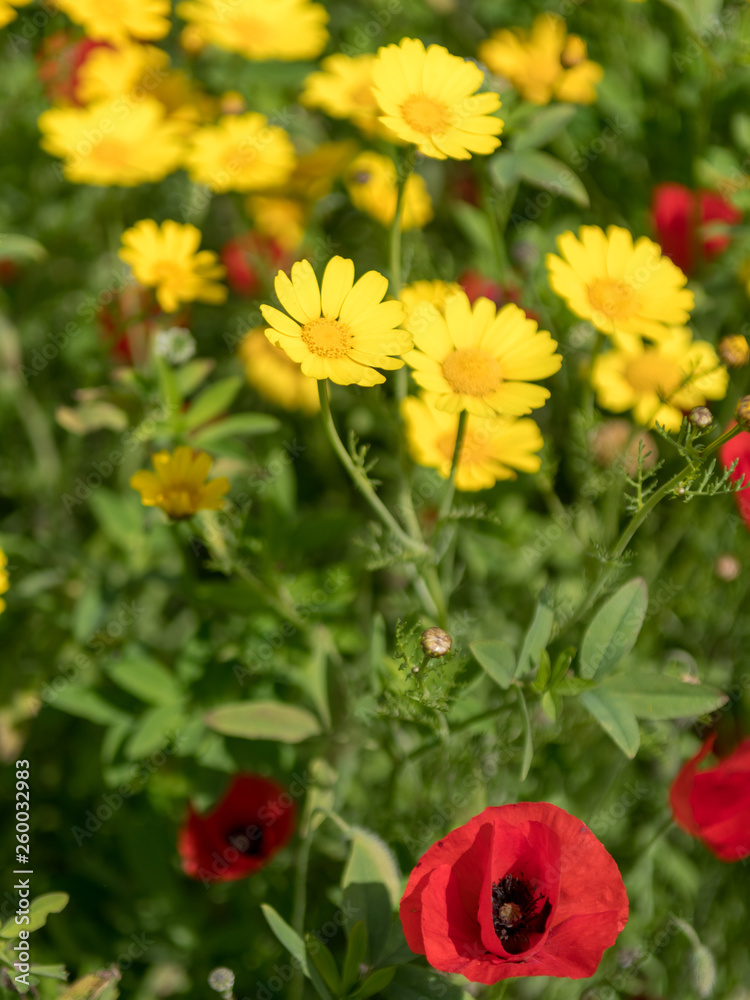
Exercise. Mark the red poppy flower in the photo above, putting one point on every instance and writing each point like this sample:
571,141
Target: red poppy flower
714,805
254,820
520,890
59,63
679,214
738,449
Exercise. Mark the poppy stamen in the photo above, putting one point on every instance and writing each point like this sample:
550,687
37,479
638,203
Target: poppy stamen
516,914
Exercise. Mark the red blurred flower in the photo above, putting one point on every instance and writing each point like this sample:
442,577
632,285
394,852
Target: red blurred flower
476,286
254,820
714,805
248,258
738,448
128,319
59,62
678,215
520,890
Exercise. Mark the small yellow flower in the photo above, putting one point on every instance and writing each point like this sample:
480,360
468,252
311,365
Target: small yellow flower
343,89
659,382
117,20
8,10
315,172
102,145
734,351
428,99
481,360
372,183
4,584
281,219
544,63
277,378
260,29
241,153
492,449
338,330
419,297
166,258
109,73
624,289
179,484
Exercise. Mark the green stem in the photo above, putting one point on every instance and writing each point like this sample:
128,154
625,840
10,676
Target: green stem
496,240
588,389
401,379
450,490
297,985
726,436
359,478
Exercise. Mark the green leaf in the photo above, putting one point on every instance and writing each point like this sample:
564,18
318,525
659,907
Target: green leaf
536,638
544,674
503,169
374,983
287,936
497,659
190,376
659,696
614,630
154,729
372,887
20,249
100,985
356,953
145,678
238,423
263,720
616,719
528,746
325,963
212,401
39,910
86,704
552,704
544,171
543,126
56,971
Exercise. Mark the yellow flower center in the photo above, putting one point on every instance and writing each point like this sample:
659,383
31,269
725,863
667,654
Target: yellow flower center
652,372
168,271
250,29
426,115
328,338
112,152
612,297
472,372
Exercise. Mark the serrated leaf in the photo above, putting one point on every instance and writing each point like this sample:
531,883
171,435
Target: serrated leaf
39,910
264,720
497,659
544,171
374,983
238,423
372,887
145,678
616,719
614,630
659,696
543,126
212,401
536,638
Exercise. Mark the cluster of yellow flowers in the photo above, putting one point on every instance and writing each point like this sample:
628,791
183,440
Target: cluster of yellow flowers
633,293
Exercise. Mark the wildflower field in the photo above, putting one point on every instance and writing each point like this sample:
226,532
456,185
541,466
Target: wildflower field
374,511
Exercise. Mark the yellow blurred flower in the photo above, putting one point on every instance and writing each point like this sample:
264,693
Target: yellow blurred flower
260,29
282,219
372,183
118,20
276,376
8,10
428,99
179,483
343,88
315,172
433,292
109,73
241,153
658,382
166,258
627,290
492,449
544,63
110,143
481,360
4,583
338,330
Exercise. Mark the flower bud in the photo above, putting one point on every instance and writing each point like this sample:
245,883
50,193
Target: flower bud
701,417
616,442
727,567
175,345
436,642
734,351
221,980
742,413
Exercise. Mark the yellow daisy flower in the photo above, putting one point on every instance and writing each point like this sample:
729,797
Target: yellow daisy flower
434,293
481,360
109,73
100,145
544,63
315,172
179,484
492,449
623,288
372,183
343,89
338,330
428,99
8,10
659,382
4,583
118,20
165,258
241,153
260,29
277,378
281,219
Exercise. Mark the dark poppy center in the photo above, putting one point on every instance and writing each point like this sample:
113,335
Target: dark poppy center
517,913
248,840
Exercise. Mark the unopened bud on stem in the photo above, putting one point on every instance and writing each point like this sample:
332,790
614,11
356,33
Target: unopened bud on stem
436,642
